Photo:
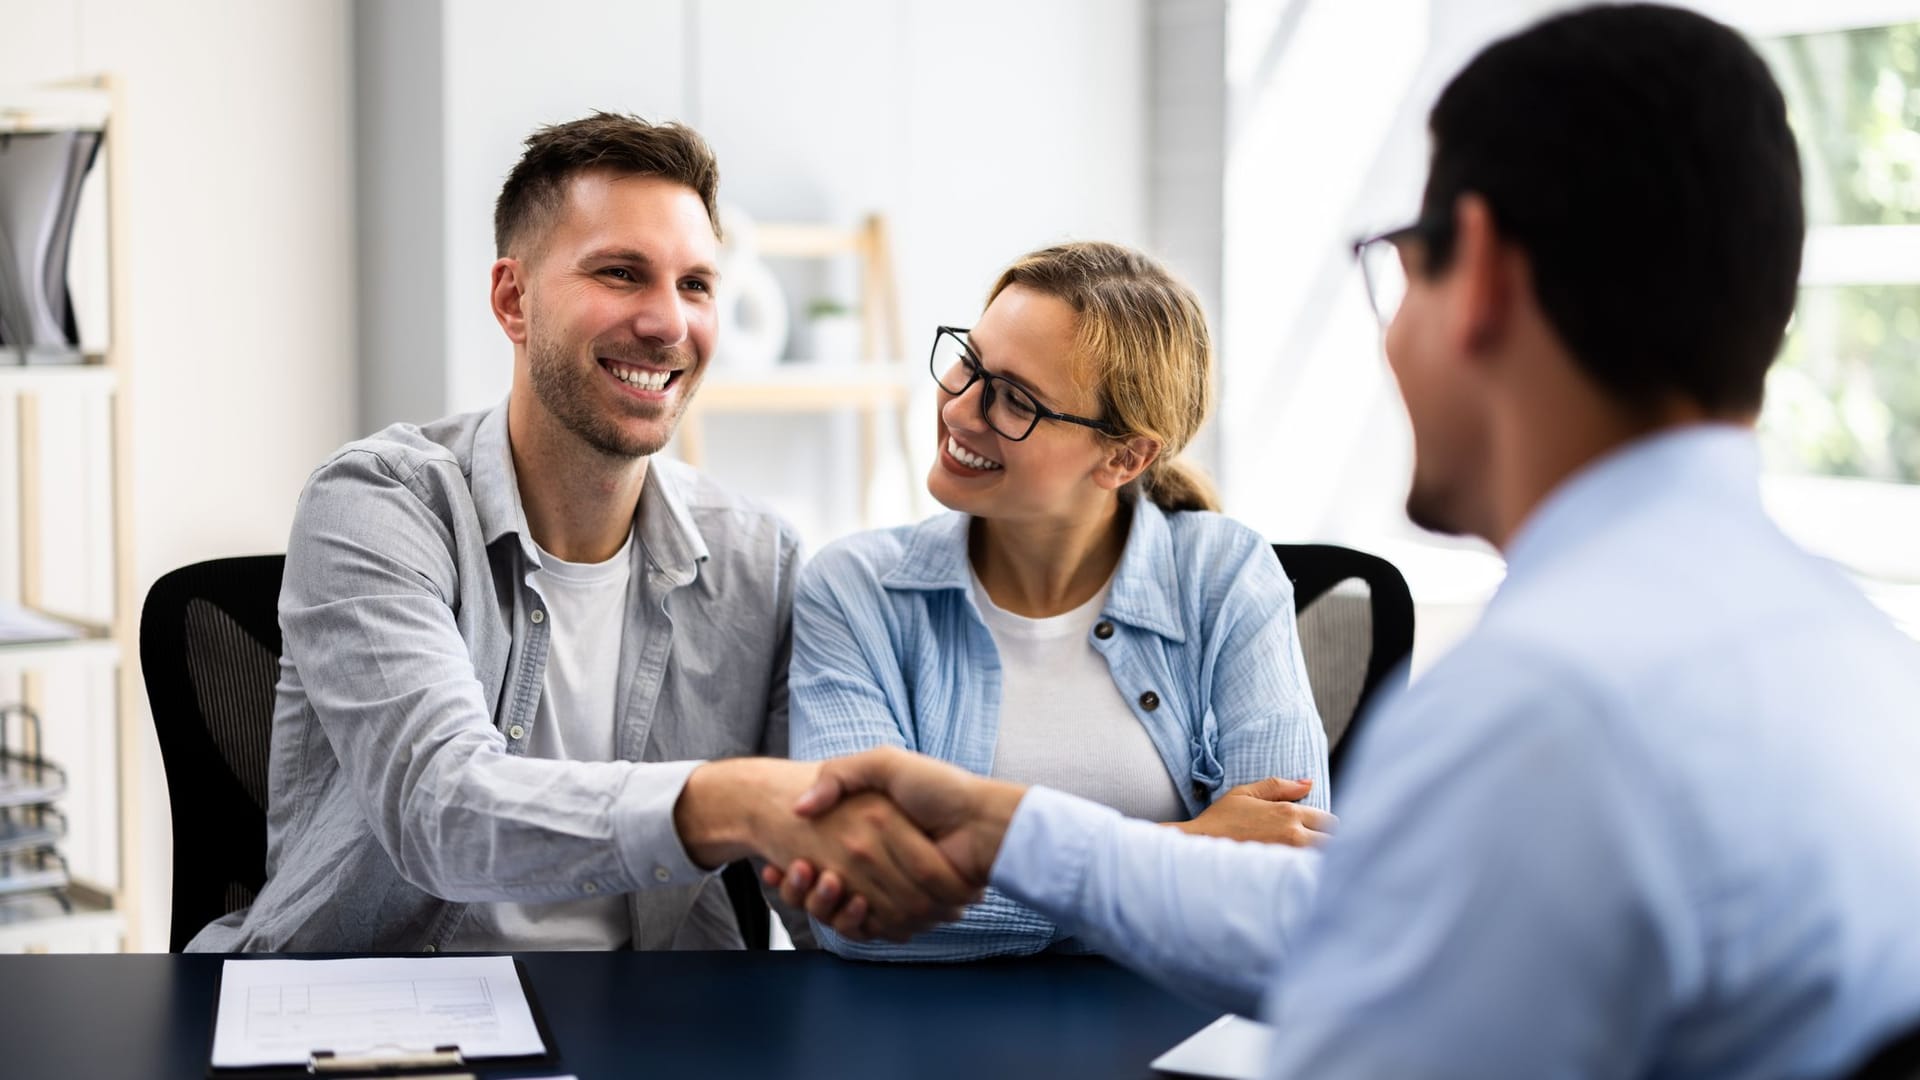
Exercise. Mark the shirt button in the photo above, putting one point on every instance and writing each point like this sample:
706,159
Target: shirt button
661,873
589,888
1149,701
1103,629
538,616
516,731
432,948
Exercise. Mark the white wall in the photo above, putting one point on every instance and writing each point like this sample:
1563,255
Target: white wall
241,317
981,130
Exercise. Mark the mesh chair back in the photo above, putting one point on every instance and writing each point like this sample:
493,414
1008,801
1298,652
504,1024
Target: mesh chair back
210,648
1355,617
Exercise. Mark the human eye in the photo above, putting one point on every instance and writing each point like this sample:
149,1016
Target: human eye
1020,403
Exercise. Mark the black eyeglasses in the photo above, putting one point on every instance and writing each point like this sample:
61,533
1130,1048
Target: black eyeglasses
1381,267
1007,407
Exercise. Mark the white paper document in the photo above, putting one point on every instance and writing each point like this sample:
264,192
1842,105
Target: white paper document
279,1012
1230,1048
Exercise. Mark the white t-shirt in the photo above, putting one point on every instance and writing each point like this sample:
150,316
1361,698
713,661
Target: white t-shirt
1063,722
586,608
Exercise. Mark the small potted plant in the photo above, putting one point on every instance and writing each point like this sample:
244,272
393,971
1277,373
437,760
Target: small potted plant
833,332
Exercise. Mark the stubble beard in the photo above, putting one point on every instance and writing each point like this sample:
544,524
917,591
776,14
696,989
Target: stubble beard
565,388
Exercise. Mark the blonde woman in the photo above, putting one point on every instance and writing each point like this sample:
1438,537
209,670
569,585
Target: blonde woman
1083,619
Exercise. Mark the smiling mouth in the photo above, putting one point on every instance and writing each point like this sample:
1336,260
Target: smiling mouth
968,458
640,378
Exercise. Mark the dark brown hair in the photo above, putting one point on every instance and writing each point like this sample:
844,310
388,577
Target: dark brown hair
627,145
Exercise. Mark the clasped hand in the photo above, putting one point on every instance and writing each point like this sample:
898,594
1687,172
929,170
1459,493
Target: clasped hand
918,838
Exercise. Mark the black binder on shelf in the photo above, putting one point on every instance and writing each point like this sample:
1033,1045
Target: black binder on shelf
441,1062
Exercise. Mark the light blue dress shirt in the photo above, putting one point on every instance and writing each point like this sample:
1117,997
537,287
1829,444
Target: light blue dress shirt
890,650
1659,815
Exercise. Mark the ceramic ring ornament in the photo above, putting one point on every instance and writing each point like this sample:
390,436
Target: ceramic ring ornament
753,319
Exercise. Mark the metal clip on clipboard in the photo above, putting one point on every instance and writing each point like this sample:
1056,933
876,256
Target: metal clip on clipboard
387,1060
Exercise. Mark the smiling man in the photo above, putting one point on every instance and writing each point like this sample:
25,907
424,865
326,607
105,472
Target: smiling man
512,636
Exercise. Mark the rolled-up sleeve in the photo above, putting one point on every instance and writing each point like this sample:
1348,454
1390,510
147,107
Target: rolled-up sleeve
1256,680
367,610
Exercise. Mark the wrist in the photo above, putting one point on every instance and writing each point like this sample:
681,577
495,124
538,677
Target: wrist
998,803
713,811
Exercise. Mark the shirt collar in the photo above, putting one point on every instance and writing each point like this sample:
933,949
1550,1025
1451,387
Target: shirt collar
1146,584
666,528
1695,463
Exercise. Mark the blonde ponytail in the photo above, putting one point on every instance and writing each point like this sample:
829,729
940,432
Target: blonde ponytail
1178,484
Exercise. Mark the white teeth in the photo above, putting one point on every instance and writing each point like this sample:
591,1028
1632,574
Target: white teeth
967,457
640,378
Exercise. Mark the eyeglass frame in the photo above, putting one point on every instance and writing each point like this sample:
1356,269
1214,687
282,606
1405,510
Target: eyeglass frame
1435,229
977,371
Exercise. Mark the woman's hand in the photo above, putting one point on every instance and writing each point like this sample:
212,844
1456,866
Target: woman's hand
1267,811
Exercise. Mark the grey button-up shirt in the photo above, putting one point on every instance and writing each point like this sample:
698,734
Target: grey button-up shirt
399,791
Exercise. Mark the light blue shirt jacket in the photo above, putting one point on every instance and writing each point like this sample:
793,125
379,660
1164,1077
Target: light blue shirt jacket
1659,815
890,650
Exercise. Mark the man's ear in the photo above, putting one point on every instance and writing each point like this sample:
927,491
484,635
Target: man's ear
1482,289
509,297
1126,459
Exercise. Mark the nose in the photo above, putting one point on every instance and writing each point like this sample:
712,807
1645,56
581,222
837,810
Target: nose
964,411
660,316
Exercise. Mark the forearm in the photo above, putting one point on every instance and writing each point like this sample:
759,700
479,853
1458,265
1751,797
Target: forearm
489,826
1211,917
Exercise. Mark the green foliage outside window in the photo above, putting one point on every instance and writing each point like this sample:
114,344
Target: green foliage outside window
1844,398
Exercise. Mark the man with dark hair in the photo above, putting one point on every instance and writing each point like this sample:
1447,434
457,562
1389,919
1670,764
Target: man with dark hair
512,636
1659,814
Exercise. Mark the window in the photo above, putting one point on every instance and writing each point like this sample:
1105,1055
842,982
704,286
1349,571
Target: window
1844,398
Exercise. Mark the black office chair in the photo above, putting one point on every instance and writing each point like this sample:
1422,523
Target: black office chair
210,648
1356,630
1898,1059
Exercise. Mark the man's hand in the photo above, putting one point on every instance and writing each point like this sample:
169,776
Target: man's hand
730,809
966,815
1265,810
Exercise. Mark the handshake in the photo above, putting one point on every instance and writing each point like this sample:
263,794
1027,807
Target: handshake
887,843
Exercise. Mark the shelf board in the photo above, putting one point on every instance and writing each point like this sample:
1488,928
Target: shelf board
39,922
806,387
92,376
95,647
58,107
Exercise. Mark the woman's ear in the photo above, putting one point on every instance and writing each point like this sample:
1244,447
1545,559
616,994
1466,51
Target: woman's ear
1126,459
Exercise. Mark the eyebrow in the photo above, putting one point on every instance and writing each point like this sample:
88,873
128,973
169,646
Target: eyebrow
1044,399
634,255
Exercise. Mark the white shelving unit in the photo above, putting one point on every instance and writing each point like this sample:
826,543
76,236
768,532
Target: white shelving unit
874,383
103,915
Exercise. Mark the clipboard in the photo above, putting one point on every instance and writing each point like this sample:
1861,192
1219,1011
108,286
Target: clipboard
444,1061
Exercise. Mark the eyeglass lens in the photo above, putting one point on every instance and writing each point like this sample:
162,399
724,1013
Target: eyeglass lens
1386,279
1009,410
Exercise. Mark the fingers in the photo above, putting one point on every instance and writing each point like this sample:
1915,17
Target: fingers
799,880
851,922
905,880
824,901
841,777
1274,789
1319,821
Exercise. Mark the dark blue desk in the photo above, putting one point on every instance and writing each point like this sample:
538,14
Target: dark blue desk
771,1016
